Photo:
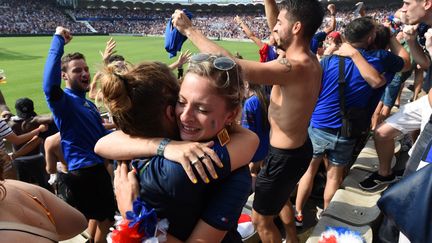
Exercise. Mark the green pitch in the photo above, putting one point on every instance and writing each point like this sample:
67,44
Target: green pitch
23,59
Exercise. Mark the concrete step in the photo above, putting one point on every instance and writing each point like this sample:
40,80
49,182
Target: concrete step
355,176
353,208
249,202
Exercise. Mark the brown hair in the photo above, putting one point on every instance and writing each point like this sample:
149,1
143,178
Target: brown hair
70,57
309,12
232,91
137,98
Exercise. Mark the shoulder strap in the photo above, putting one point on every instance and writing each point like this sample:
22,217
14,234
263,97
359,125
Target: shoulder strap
342,83
12,226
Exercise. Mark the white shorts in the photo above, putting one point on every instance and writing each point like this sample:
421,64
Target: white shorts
412,116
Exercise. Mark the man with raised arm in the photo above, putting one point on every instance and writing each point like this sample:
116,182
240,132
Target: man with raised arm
88,182
296,80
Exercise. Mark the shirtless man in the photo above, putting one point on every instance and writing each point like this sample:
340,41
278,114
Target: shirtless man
296,80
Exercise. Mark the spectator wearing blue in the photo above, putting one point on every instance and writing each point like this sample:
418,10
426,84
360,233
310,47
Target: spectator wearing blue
254,118
413,12
206,105
320,36
362,75
80,125
173,38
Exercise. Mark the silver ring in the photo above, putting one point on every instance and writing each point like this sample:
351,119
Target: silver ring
202,157
195,161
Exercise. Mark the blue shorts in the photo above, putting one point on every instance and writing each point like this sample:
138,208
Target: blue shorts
337,148
392,90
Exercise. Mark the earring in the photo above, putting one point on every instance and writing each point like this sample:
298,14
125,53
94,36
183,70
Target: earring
223,137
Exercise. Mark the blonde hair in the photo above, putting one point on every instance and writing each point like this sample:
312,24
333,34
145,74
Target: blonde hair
228,84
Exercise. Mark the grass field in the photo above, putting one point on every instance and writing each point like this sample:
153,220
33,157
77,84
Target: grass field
23,58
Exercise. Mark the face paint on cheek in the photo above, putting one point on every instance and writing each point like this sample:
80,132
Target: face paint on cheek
213,124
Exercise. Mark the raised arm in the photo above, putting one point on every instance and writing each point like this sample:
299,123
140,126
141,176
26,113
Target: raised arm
419,56
184,25
271,12
182,59
248,32
279,71
367,71
109,50
93,91
52,72
332,25
256,72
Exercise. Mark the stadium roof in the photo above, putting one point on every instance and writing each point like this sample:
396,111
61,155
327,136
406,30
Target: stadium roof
213,4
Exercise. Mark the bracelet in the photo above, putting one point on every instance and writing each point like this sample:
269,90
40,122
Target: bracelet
162,145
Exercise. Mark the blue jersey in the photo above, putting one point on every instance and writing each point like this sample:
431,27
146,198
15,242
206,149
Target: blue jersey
358,93
252,119
77,118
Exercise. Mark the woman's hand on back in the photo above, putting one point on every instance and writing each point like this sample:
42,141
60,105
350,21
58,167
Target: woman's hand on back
194,154
126,187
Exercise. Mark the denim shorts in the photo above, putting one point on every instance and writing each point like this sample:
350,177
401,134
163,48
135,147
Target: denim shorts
392,90
337,148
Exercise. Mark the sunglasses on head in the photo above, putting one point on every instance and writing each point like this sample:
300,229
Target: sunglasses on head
220,63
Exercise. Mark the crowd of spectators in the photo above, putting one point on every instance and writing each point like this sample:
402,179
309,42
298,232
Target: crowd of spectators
40,17
34,17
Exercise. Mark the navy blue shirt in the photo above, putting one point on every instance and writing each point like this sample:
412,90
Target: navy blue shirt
165,187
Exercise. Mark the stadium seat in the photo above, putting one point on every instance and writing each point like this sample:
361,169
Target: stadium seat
355,176
353,208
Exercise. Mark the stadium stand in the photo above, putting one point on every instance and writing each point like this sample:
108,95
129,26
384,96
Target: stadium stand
215,18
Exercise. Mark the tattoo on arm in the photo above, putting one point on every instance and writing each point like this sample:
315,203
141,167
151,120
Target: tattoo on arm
286,63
